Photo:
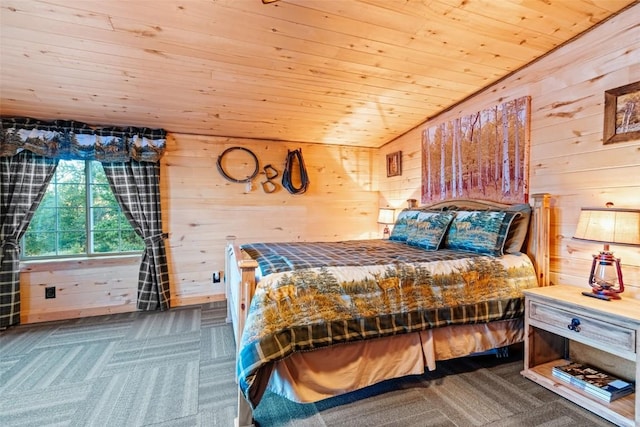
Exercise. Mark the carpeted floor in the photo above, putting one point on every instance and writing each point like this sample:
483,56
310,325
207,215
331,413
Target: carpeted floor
176,368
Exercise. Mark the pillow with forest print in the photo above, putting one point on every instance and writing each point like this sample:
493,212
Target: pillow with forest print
402,225
429,229
482,232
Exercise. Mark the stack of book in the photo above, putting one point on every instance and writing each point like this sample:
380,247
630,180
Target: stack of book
597,383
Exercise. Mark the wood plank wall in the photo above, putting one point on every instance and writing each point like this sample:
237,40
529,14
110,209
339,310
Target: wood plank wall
203,208
200,208
568,158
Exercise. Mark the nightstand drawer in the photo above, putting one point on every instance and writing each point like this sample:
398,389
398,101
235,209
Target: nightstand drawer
588,330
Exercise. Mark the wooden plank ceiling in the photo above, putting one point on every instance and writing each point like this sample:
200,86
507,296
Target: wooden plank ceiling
351,72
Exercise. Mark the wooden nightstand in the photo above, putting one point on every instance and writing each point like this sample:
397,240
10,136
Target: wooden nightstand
611,327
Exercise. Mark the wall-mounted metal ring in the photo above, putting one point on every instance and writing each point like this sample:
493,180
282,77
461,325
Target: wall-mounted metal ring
230,178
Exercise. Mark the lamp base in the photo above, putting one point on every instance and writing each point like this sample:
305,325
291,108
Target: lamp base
605,274
594,295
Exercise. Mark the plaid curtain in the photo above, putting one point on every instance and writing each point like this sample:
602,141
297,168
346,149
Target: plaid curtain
136,186
23,183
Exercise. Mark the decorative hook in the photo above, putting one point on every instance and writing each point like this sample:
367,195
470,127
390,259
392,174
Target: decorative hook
269,186
270,172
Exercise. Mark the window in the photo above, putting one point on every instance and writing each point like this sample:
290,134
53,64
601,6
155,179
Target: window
79,215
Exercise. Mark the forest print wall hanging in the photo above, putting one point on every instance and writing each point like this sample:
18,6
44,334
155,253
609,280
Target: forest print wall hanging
480,156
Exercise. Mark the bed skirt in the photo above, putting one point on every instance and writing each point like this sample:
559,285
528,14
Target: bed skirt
315,375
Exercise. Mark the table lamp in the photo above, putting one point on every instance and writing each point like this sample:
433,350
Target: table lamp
385,216
609,226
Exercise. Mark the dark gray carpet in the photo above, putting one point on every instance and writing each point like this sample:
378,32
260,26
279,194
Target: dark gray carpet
176,368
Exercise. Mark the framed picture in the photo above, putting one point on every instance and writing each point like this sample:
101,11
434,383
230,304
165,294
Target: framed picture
394,164
622,114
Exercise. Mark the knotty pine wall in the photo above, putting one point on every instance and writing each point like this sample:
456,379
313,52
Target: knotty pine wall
568,158
200,208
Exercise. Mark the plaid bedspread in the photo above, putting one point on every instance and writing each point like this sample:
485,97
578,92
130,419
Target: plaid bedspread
313,295
279,257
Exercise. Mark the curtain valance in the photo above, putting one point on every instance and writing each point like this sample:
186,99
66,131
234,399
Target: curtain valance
69,140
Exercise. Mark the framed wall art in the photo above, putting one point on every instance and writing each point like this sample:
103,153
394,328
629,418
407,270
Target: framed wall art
483,155
394,164
622,114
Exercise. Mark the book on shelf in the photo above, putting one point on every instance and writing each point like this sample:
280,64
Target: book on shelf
597,383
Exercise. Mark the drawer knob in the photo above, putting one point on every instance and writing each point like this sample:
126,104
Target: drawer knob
575,325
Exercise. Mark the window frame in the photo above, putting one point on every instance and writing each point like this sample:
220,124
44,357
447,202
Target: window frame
89,228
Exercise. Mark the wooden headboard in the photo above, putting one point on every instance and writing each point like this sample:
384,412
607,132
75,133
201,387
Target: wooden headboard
538,236
537,240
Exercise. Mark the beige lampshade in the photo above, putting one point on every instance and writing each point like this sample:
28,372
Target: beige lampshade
385,215
609,225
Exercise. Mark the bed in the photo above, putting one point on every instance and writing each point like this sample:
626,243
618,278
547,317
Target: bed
314,320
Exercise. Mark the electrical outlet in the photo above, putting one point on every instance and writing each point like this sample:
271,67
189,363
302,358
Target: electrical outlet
216,277
50,292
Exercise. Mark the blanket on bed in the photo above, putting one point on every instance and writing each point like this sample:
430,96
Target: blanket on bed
320,294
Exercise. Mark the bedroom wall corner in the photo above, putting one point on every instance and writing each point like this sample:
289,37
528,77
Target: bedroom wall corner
200,208
567,156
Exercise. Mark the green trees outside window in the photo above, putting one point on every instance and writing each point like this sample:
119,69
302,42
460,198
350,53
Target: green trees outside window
79,215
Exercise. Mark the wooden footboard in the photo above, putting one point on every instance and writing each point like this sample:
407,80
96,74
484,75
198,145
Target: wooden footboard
239,284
